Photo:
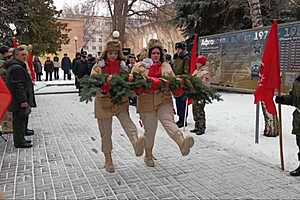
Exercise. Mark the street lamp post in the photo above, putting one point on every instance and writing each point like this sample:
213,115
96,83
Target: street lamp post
75,39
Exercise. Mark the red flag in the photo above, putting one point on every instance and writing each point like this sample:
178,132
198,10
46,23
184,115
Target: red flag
269,71
193,59
5,97
30,66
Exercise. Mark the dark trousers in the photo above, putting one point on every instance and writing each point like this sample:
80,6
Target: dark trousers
199,114
298,144
38,76
68,74
180,107
19,126
48,75
56,74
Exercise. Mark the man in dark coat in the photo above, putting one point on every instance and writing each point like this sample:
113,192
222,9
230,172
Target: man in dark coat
49,68
293,99
21,88
81,68
75,62
181,67
91,62
66,66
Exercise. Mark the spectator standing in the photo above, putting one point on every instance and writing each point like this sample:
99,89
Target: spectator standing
66,66
38,68
20,85
49,68
56,67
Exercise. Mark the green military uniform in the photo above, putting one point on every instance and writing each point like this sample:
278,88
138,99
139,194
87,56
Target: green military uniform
20,85
199,115
293,99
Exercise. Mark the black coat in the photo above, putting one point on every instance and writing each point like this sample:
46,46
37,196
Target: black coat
66,64
20,85
81,68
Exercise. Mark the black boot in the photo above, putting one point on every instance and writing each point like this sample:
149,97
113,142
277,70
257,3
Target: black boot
200,132
29,132
195,130
296,172
180,124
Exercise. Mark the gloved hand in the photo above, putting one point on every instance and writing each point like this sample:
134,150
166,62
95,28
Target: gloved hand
279,99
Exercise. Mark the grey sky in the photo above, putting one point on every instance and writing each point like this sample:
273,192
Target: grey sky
60,3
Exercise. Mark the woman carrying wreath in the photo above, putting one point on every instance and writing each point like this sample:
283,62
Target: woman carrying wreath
156,104
112,64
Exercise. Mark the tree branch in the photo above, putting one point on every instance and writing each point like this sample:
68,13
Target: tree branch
131,4
109,7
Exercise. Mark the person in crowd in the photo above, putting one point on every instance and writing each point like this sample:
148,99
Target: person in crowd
113,64
20,85
293,99
56,67
66,66
74,67
203,73
6,55
38,68
91,62
181,67
157,105
131,61
49,68
81,68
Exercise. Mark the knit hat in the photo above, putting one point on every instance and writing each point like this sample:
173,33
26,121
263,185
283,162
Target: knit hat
201,60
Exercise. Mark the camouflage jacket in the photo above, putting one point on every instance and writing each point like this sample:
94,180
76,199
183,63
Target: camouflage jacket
293,99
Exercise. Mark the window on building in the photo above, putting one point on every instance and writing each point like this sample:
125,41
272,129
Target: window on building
94,47
100,39
94,40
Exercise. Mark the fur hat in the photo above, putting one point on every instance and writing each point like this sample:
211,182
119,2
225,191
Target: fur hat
201,60
114,44
154,43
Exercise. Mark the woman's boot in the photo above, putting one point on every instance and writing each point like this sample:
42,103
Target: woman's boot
139,146
149,158
185,144
109,166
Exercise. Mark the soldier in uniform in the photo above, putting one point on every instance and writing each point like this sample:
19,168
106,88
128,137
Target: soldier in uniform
293,99
181,67
202,72
154,105
112,64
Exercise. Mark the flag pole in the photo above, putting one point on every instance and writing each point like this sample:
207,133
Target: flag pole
280,134
185,114
257,124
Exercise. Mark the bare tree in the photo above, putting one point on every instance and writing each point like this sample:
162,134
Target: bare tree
121,10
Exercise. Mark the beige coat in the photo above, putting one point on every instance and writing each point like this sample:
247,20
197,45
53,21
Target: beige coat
104,108
151,102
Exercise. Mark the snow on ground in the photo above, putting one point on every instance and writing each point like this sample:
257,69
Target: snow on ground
231,123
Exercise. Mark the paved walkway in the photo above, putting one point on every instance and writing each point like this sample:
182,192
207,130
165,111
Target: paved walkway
66,163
